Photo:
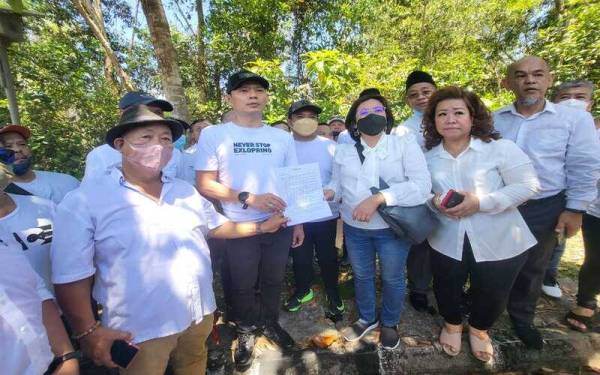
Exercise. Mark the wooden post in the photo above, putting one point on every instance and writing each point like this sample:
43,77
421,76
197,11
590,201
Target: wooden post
8,84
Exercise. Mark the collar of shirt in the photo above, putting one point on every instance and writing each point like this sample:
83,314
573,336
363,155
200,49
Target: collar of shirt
512,109
475,144
370,167
117,175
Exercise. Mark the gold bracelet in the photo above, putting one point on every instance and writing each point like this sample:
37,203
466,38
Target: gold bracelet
87,331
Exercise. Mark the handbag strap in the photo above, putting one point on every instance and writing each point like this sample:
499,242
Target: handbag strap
359,148
16,189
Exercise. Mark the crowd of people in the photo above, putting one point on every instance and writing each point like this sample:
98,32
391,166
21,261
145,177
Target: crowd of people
129,253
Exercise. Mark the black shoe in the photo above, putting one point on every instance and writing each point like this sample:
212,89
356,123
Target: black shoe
419,301
243,352
389,338
358,329
335,310
274,332
529,335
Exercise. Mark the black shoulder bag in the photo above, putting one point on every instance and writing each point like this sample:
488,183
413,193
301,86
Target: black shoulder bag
413,223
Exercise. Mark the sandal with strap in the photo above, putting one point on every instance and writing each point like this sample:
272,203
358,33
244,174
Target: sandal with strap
450,341
585,321
481,346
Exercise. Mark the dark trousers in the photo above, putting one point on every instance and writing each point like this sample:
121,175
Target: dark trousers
589,274
218,259
541,215
319,238
490,285
259,258
418,268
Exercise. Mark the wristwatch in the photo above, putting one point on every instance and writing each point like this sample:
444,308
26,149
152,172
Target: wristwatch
57,361
243,197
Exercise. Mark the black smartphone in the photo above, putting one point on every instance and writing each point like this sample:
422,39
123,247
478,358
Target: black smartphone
452,199
122,352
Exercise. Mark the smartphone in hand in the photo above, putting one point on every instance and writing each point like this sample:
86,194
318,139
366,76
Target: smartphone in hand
452,199
122,353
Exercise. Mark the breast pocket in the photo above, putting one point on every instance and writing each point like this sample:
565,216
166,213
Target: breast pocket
551,141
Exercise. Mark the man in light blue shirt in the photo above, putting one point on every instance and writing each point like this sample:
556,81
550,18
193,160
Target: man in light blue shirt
562,143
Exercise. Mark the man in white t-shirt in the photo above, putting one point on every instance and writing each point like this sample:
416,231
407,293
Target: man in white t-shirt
319,236
236,165
50,185
102,158
30,327
140,236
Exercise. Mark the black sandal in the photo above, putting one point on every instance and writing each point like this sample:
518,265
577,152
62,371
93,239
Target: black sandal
585,321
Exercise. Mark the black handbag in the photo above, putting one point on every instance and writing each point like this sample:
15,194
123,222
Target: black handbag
413,223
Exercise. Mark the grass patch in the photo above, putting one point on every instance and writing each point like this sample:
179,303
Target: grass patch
572,258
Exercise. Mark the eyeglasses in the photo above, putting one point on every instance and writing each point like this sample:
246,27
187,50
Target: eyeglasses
380,110
7,156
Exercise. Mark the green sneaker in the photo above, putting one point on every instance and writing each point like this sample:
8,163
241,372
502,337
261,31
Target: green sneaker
296,301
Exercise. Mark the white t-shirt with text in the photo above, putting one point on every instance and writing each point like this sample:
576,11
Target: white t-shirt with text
28,229
245,159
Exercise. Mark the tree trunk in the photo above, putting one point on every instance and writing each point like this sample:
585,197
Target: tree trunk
166,56
91,11
201,78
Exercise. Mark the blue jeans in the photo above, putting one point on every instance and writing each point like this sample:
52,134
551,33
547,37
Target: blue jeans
552,271
362,245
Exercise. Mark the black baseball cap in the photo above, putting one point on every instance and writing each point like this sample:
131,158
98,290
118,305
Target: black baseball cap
303,104
139,97
237,79
418,76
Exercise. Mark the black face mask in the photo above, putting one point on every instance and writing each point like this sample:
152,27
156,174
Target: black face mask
335,134
372,124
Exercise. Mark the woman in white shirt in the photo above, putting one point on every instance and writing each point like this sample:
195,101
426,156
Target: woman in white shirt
484,237
397,160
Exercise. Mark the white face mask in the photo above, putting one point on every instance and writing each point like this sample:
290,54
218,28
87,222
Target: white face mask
575,103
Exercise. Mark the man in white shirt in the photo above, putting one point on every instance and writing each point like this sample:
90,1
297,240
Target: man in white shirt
102,158
577,94
30,326
319,236
236,165
143,244
562,144
419,88
338,128
325,131
50,185
187,172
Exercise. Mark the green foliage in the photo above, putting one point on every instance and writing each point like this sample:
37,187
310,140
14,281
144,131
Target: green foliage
326,51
